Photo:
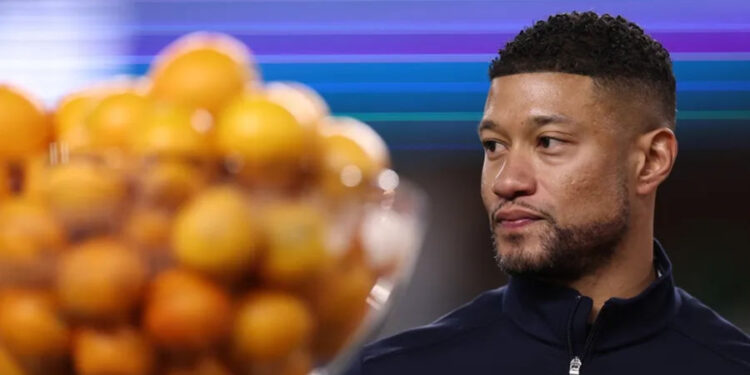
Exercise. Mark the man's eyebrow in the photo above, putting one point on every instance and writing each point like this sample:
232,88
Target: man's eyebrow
487,124
537,120
541,120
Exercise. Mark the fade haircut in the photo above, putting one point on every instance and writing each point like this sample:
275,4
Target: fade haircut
613,51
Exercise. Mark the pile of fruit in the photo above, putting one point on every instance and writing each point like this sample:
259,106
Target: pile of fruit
193,221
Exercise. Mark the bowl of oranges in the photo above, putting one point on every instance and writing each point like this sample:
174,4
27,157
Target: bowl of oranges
195,221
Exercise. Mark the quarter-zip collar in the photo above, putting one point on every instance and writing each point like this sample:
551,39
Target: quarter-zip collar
558,315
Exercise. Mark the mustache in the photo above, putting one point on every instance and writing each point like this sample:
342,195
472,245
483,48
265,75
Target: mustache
538,211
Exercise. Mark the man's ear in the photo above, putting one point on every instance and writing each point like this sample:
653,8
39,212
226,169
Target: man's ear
658,151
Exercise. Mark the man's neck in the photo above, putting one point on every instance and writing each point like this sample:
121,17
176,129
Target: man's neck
629,273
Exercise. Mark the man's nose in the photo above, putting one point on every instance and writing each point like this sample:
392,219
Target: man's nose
515,177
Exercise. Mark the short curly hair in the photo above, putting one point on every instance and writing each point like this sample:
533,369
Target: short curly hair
615,52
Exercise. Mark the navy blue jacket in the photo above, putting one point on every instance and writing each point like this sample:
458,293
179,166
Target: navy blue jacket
528,327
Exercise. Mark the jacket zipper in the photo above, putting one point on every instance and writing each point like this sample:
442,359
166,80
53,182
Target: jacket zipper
576,362
575,366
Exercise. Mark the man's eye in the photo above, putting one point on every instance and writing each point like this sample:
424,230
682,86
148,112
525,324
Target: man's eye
493,148
490,145
547,142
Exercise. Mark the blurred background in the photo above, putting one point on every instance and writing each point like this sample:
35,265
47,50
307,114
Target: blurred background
417,72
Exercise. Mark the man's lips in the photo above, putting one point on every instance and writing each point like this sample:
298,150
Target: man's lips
515,218
511,224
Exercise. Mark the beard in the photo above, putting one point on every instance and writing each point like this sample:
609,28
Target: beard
568,253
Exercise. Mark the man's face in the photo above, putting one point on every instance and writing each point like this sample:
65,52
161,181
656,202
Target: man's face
554,179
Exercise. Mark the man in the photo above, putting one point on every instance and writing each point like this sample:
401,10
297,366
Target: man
578,134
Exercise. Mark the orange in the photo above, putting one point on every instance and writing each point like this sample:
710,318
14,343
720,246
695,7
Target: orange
35,171
76,139
72,124
269,144
306,105
340,304
71,118
5,181
29,235
74,109
296,242
30,326
353,155
8,364
122,351
170,182
100,279
24,126
148,228
270,326
84,194
170,130
202,70
342,293
215,233
119,162
205,365
299,362
186,311
115,117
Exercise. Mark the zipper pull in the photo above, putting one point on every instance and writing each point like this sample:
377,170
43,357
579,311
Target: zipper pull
575,366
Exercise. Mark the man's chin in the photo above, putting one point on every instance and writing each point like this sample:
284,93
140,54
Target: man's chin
530,266
535,262
514,255
527,257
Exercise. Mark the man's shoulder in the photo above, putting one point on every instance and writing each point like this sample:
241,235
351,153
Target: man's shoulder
483,310
706,328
